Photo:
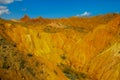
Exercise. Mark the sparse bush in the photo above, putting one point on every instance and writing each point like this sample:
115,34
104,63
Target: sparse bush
30,70
22,64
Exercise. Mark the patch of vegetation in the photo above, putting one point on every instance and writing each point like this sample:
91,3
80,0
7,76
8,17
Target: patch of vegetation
72,74
81,75
78,29
41,72
30,70
119,52
5,58
14,45
55,72
22,64
29,54
14,53
37,64
63,56
4,46
5,65
69,73
47,30
50,29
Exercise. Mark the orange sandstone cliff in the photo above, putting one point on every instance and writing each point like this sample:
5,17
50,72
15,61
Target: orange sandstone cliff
75,48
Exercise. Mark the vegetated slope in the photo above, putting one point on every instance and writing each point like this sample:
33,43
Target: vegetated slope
82,48
16,65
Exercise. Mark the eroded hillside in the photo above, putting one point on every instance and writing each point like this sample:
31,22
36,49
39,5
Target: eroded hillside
77,48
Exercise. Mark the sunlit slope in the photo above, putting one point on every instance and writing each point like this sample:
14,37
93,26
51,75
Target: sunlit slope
90,47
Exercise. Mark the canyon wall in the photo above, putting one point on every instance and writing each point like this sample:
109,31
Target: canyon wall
94,52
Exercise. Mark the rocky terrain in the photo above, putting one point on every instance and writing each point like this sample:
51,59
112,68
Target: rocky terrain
75,48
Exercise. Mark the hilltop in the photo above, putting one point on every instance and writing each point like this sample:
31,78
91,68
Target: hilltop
75,48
